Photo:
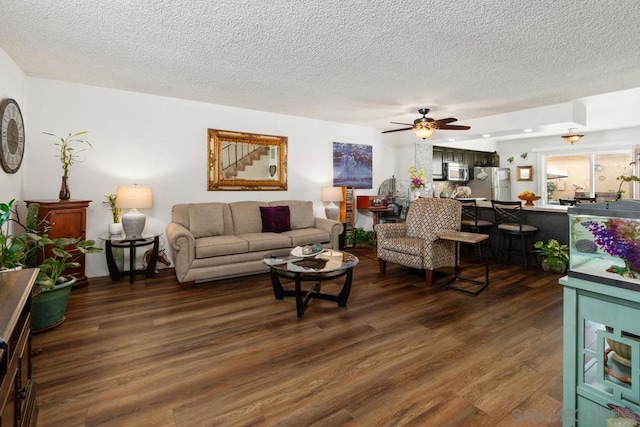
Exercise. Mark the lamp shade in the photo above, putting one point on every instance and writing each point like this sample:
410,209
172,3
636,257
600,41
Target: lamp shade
331,194
134,196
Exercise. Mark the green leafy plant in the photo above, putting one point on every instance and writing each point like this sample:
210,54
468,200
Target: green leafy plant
361,236
110,203
623,179
63,255
555,255
69,149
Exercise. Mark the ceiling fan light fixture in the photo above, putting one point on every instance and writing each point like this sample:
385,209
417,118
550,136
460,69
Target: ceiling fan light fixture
572,137
424,130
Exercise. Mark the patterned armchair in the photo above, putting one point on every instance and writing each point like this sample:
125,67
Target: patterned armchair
415,243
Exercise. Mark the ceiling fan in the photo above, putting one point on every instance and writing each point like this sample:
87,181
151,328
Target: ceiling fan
425,126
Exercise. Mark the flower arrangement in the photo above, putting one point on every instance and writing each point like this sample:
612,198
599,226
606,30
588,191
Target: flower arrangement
619,238
417,177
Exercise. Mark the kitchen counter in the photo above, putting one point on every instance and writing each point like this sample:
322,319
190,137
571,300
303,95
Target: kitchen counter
537,208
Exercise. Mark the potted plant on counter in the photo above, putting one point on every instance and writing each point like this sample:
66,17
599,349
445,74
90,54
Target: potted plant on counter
49,306
554,256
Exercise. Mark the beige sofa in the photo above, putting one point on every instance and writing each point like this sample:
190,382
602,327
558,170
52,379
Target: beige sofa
211,241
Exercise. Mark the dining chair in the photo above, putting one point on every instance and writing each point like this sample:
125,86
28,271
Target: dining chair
470,220
510,220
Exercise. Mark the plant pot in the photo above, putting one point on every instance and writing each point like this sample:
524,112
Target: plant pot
115,228
48,307
554,266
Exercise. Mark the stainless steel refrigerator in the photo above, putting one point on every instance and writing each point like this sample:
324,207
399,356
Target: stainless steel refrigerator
491,183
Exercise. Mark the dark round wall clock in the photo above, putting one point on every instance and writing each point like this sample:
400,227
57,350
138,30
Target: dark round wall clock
11,136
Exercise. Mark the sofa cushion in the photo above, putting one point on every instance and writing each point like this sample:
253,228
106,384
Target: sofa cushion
246,217
301,213
308,236
220,245
275,219
266,241
205,220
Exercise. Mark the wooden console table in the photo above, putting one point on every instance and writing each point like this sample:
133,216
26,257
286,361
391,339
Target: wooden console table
67,218
17,390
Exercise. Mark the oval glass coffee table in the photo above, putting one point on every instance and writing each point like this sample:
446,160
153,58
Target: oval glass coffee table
328,265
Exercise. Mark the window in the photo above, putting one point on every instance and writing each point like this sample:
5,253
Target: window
589,175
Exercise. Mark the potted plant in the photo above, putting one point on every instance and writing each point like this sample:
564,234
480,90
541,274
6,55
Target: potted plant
17,250
49,306
554,255
360,237
110,202
68,153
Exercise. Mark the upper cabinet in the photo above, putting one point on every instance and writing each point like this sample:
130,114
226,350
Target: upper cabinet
470,158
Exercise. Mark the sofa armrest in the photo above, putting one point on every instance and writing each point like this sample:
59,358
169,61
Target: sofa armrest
183,248
390,230
333,227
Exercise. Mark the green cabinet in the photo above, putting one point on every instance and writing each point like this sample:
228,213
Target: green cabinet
601,351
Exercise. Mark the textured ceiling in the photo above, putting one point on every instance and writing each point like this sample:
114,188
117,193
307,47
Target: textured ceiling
362,62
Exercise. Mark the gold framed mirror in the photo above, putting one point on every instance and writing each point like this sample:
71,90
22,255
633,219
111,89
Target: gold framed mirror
246,161
525,173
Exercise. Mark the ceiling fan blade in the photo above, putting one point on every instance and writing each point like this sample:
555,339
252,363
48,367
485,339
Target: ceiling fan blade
396,130
454,127
398,123
446,121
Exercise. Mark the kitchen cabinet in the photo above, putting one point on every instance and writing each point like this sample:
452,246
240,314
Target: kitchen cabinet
17,389
66,218
470,158
438,164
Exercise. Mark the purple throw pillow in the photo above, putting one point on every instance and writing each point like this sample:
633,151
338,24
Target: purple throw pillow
275,219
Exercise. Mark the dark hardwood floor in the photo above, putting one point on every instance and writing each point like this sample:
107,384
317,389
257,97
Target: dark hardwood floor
229,354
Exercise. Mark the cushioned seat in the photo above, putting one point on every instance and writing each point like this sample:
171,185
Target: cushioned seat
415,243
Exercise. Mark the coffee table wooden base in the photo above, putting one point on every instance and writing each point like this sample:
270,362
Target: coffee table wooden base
303,297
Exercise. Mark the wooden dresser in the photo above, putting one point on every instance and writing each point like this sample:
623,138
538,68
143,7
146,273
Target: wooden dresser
67,218
17,391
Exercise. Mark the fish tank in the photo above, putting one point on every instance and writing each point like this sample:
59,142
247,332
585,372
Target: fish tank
604,243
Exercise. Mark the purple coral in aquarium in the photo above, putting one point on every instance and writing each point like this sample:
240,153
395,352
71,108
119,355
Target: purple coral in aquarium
619,238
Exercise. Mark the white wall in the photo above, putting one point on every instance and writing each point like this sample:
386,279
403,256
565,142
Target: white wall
13,86
162,142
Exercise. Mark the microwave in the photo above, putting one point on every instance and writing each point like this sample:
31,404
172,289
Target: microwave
456,172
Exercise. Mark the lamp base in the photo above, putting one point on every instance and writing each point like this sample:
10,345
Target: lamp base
332,211
133,223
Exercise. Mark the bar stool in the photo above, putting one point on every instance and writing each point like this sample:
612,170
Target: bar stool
509,218
471,221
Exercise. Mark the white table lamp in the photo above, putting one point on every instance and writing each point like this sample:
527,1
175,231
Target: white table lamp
331,194
134,197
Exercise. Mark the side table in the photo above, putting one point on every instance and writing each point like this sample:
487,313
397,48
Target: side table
122,241
471,239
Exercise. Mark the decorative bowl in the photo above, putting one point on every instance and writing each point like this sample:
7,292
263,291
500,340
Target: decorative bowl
529,199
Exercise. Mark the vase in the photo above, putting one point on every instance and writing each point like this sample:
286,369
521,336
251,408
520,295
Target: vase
115,228
65,194
414,194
